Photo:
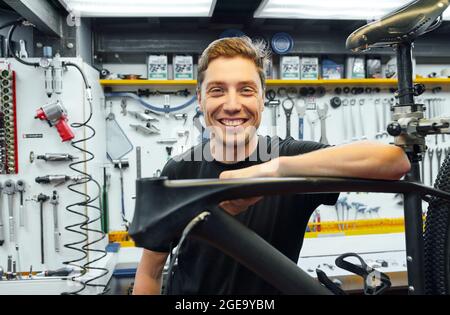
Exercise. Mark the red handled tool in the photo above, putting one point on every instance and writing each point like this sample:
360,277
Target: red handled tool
56,115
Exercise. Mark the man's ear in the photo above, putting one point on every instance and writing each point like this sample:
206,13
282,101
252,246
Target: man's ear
263,97
199,99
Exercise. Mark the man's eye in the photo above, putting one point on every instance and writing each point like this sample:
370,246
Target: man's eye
216,91
248,91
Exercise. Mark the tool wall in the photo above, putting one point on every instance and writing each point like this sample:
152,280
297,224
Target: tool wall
37,239
333,114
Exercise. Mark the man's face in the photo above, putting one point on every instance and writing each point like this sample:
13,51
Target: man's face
231,99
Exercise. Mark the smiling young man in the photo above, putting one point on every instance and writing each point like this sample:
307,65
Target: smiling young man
231,86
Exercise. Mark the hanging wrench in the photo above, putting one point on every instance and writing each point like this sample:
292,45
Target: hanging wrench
20,187
10,190
423,167
312,125
352,122
439,156
23,50
323,128
301,111
344,120
430,155
361,121
273,105
54,200
384,124
287,112
378,131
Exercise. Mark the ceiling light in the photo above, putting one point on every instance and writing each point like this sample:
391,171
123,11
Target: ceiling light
140,8
328,9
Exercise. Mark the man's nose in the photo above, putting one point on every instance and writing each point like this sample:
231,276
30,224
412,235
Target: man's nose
232,103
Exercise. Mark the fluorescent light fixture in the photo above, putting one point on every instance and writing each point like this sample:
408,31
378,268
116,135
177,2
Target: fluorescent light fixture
140,8
329,9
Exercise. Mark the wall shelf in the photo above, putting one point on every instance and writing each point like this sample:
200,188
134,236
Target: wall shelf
388,82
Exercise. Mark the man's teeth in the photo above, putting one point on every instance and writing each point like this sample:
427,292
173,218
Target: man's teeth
232,122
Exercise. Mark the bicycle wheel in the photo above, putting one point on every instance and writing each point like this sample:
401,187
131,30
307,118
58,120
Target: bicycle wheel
437,238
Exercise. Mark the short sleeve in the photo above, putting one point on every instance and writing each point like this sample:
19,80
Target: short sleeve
294,147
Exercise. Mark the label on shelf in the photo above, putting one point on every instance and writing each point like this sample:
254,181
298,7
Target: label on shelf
309,68
157,67
290,68
183,68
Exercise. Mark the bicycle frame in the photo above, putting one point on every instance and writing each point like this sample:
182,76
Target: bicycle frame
164,207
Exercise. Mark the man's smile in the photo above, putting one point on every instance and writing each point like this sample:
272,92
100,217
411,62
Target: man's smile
232,122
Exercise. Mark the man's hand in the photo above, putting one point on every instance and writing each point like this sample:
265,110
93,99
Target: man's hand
237,206
234,207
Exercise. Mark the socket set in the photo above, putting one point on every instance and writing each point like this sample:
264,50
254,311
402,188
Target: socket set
8,130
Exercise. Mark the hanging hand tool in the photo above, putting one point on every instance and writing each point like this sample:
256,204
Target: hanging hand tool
169,152
198,124
2,229
10,190
301,111
57,234
62,272
56,179
121,165
181,116
20,187
359,209
336,206
378,128
375,210
322,112
422,167
148,129
352,122
361,120
23,54
123,105
56,157
167,141
312,125
41,198
385,107
288,105
430,156
105,215
273,105
142,116
439,156
344,120
9,270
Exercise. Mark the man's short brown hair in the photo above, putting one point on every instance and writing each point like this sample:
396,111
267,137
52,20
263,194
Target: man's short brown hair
234,47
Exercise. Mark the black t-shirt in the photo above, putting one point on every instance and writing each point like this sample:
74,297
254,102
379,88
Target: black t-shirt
281,220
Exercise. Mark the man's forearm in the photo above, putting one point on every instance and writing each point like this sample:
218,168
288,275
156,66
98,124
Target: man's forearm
362,160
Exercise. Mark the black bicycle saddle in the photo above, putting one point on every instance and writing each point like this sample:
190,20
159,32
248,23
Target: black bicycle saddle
403,25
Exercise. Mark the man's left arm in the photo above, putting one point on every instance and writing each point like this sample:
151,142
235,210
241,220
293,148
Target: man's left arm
365,159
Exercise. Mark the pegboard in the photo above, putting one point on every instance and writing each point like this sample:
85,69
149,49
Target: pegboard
35,136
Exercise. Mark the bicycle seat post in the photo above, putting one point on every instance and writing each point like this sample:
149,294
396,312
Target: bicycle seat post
409,127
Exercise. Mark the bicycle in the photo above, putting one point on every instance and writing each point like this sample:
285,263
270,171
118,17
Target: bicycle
157,222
